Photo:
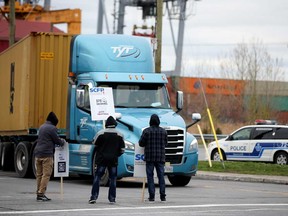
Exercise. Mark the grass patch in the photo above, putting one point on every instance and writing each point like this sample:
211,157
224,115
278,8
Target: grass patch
254,168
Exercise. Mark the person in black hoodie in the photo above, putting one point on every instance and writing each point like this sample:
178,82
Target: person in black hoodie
44,153
154,139
109,144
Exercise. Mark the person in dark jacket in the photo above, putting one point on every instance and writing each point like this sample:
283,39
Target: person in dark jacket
109,144
44,153
154,139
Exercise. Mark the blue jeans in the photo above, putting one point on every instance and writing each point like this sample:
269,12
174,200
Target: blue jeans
150,178
112,182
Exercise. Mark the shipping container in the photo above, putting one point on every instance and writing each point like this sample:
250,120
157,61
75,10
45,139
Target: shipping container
33,82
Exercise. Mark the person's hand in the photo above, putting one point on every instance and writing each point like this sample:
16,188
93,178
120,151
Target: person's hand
63,141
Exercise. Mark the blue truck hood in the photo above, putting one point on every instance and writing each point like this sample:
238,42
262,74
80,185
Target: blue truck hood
138,118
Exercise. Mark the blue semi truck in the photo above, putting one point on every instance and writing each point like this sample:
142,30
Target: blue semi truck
125,64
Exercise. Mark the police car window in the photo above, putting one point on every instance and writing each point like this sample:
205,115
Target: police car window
281,133
264,133
243,134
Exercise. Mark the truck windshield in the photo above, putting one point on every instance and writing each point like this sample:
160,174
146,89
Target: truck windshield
139,95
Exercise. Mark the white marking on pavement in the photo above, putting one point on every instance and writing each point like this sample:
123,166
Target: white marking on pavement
139,207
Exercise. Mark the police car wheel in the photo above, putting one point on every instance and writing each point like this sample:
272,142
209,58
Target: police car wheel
215,156
281,158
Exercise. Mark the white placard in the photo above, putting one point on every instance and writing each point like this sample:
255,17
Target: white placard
101,103
139,163
61,161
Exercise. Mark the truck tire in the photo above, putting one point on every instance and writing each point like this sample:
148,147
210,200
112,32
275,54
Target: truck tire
1,147
178,180
33,165
105,178
22,159
7,154
32,156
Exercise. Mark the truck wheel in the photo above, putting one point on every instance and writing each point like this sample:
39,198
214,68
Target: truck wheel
33,165
22,159
7,154
281,158
105,178
1,147
215,156
178,180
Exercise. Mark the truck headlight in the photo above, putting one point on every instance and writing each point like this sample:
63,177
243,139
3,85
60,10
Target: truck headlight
129,146
193,145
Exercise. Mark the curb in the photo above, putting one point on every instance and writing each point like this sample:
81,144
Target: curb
241,177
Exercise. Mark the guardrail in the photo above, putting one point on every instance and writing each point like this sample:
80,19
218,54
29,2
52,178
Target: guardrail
209,137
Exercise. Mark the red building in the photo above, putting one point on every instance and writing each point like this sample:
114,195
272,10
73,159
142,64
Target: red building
23,28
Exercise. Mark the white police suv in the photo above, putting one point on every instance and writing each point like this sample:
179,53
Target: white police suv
267,143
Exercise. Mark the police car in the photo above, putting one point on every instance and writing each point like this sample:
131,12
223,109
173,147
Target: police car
261,142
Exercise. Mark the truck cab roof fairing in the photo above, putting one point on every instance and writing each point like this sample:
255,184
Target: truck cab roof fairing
113,53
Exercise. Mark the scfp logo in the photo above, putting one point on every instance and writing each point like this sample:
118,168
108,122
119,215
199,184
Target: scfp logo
139,157
96,89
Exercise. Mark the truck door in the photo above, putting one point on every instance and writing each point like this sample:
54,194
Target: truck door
83,122
84,129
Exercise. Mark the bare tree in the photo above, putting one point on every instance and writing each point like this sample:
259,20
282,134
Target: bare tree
253,65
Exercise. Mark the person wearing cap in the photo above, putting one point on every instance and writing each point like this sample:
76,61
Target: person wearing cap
154,139
44,153
109,144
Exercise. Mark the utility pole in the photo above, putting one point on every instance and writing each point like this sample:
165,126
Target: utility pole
11,22
47,5
182,17
100,17
121,14
159,11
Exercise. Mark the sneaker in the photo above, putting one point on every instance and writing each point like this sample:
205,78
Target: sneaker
151,199
112,202
42,198
92,201
163,199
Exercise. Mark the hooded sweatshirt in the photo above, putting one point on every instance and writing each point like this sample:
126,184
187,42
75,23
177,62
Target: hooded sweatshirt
109,144
154,139
48,137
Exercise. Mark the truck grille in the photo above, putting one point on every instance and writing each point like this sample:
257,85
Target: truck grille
175,147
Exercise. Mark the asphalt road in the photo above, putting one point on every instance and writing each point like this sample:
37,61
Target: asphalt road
200,197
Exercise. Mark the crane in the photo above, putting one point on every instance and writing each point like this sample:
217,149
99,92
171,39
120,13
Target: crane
149,10
31,11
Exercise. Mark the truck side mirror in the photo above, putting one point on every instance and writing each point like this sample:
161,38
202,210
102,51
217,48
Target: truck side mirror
179,100
196,117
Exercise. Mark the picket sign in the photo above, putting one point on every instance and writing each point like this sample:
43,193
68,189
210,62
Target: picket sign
61,164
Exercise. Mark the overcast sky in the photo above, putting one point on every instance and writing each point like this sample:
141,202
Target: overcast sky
212,28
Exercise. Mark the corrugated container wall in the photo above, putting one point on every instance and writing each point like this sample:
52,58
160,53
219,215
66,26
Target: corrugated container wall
33,82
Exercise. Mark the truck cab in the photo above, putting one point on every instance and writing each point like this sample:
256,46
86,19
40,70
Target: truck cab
125,64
